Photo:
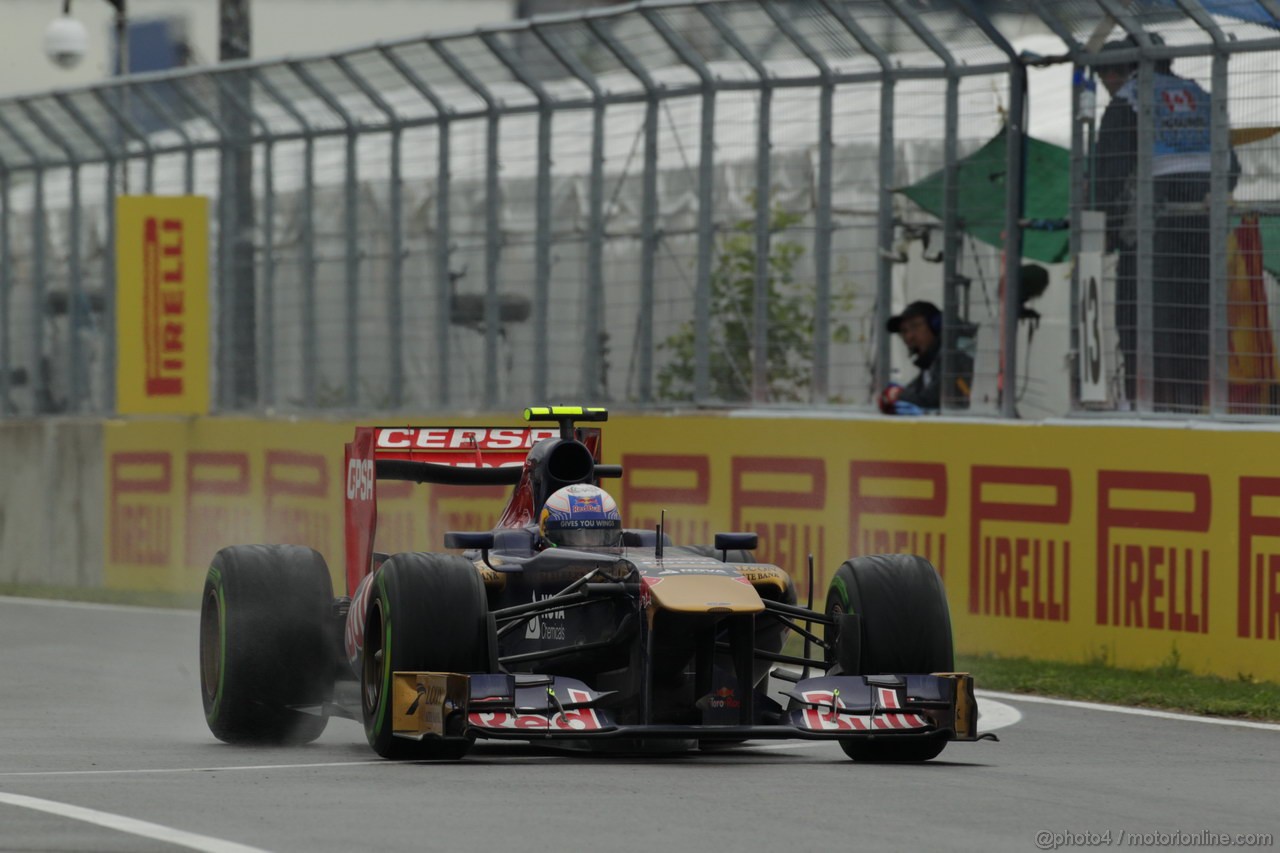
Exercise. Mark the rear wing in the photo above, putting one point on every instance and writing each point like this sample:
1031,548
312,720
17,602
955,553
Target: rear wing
450,455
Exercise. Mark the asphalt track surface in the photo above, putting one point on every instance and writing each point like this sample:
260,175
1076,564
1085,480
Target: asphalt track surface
103,747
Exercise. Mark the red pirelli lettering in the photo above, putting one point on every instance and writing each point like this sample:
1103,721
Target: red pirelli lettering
865,500
1026,577
784,544
1258,583
1150,584
162,307
217,514
638,467
141,529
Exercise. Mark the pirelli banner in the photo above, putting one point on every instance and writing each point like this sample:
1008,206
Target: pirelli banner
162,305
1138,544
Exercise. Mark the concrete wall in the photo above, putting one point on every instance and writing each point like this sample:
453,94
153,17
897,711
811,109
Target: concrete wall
51,503
1140,543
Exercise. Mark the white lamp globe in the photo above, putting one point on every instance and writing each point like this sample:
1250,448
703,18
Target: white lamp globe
65,42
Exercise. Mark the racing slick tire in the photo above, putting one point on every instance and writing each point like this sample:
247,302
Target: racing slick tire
426,613
266,644
905,628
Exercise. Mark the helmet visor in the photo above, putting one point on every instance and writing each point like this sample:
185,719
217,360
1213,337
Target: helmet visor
586,533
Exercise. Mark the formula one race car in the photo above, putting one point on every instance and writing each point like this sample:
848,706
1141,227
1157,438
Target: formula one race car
563,628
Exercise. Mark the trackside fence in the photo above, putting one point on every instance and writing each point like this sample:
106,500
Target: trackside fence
679,204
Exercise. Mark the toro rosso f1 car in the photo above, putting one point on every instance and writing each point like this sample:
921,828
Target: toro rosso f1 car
563,628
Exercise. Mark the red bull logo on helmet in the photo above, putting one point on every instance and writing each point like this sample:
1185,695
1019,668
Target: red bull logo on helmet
586,504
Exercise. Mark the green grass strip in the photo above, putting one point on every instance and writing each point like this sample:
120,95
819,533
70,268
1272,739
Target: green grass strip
1168,687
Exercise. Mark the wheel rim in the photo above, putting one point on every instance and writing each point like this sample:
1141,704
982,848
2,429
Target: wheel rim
371,676
211,643
829,633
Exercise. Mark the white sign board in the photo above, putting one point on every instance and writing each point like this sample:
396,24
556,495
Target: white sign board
1093,354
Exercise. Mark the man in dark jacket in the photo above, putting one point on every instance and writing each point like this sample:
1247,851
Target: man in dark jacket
920,325
1180,168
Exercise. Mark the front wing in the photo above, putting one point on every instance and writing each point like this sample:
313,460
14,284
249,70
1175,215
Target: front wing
537,707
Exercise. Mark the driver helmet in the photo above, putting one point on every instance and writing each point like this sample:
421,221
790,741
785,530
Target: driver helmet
581,516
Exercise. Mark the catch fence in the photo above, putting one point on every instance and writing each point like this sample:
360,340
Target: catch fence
671,204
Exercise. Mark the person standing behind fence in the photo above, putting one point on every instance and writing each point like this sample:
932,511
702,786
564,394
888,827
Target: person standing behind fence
1180,169
920,325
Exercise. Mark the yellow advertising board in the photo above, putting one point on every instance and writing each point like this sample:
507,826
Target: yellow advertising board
162,305
1140,545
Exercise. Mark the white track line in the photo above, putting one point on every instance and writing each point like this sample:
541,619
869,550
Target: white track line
155,770
129,825
1119,709
993,715
92,605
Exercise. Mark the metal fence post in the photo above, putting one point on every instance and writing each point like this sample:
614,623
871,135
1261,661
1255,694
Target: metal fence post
6,288
174,125
594,376
443,275
1079,177
492,229
761,296
76,287
542,201
119,109
649,234
235,39
395,274
706,197
74,294
884,218
1218,372
220,334
1015,197
35,374
1146,234
820,390
1144,291
950,202
308,251
351,251
239,107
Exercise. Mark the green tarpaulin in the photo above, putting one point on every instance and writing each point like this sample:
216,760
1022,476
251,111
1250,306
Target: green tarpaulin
981,178
1048,195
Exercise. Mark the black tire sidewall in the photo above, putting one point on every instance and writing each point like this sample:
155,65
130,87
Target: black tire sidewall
274,606
903,613
432,613
905,626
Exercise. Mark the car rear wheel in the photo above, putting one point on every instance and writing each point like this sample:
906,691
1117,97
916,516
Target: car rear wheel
905,628
266,646
426,613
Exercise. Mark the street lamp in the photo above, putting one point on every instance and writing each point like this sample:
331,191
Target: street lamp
65,39
66,43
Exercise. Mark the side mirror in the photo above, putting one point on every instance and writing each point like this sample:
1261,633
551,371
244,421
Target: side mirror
465,540
725,542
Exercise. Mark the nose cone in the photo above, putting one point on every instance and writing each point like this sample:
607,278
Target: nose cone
696,593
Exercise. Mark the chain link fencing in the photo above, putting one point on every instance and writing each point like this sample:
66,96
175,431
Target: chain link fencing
678,204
